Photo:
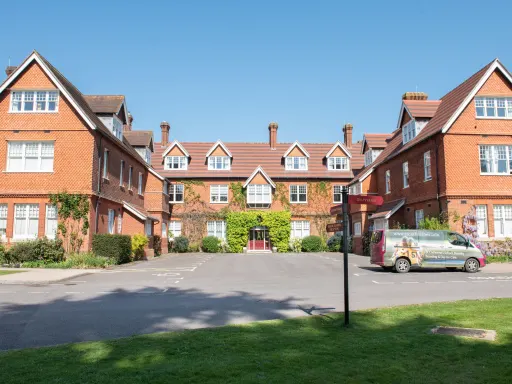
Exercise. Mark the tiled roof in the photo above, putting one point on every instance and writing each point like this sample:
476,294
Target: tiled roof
248,156
422,108
376,140
387,209
139,138
104,103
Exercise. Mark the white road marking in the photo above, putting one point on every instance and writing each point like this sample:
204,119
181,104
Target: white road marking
165,290
432,282
457,281
70,293
360,274
177,281
8,292
376,282
77,281
38,292
410,282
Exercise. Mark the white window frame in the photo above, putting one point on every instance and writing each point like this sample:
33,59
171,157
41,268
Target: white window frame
488,103
300,161
130,177
35,99
388,181
148,227
105,163
427,166
26,218
121,174
181,161
336,191
405,174
117,129
174,190
259,194
140,190
502,220
356,189
300,229
175,226
23,156
216,228
357,229
164,230
219,194
223,161
3,220
299,190
54,221
409,131
419,215
495,151
335,161
119,223
111,218
482,220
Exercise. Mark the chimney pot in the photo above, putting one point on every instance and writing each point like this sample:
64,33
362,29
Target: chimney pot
347,135
9,70
415,96
272,130
165,127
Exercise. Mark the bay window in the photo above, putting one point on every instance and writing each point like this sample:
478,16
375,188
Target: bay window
34,101
219,163
26,221
299,193
218,193
337,163
495,159
259,194
175,162
217,228
296,163
30,156
300,228
176,193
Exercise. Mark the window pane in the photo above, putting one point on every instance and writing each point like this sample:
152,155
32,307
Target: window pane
29,101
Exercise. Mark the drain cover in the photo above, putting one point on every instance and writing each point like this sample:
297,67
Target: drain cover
483,334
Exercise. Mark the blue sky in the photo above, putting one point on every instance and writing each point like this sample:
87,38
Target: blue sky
225,69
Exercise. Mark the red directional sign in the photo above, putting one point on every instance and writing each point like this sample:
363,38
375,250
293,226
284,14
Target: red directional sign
337,210
335,227
365,199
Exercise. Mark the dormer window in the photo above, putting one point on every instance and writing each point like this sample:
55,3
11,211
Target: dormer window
219,163
175,157
114,124
371,155
297,163
409,131
175,162
337,163
34,101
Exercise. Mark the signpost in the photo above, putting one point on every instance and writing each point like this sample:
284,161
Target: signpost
342,209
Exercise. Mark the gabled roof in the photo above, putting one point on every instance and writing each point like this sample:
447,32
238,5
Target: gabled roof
105,103
256,171
217,143
417,109
296,144
174,144
141,213
338,145
375,140
139,138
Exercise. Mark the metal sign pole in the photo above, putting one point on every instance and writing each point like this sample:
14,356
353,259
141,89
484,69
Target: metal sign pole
344,194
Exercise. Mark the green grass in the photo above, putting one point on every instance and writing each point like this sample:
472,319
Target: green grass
382,346
499,259
9,272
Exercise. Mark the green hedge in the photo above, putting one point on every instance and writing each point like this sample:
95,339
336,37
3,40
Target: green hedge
42,250
211,244
312,244
180,244
118,248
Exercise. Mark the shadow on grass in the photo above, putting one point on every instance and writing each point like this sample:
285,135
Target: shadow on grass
382,346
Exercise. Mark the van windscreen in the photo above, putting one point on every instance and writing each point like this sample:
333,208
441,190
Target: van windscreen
376,237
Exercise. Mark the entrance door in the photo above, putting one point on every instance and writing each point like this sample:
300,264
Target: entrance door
259,239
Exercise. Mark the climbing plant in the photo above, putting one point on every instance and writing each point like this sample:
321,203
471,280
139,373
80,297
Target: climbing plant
73,214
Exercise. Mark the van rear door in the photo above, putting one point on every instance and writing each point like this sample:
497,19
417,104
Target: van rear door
377,247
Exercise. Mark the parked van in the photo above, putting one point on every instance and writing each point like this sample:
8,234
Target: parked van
399,250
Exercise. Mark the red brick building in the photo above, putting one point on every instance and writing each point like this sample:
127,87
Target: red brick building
451,155
54,139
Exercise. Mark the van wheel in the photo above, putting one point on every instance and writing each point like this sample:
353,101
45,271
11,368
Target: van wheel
402,265
472,265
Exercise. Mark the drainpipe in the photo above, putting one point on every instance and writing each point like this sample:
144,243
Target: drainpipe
96,220
438,188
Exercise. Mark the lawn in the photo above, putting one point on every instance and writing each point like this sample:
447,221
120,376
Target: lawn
3,272
383,346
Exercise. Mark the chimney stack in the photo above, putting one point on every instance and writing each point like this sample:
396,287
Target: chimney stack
272,130
165,127
128,127
347,135
414,96
10,69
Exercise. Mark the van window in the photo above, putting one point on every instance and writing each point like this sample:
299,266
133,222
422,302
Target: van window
376,237
456,239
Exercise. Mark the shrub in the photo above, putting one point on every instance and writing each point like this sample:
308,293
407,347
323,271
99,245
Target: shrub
3,259
366,239
335,242
118,248
194,247
211,244
295,244
138,244
312,244
180,244
224,246
75,260
43,250
434,223
157,245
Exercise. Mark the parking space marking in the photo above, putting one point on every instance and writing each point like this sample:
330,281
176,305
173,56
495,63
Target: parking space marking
410,282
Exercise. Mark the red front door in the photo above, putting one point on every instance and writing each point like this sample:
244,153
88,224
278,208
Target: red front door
258,239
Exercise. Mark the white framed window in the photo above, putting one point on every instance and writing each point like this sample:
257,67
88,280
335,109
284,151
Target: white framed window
495,159
300,228
427,169
481,220
502,220
34,101
51,221
176,162
218,194
176,192
117,128
296,163
26,221
111,219
405,173
130,177
337,163
371,155
105,164
139,187
219,163
380,224
356,189
148,227
3,221
164,230
217,228
299,193
259,194
357,228
336,193
30,156
119,223
493,107
418,216
174,228
409,131
121,181
166,187
388,181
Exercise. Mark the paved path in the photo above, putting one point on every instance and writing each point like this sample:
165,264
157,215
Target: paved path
42,275
202,290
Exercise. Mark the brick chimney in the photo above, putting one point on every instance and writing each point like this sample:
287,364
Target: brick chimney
128,127
414,96
165,127
272,130
347,135
10,69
